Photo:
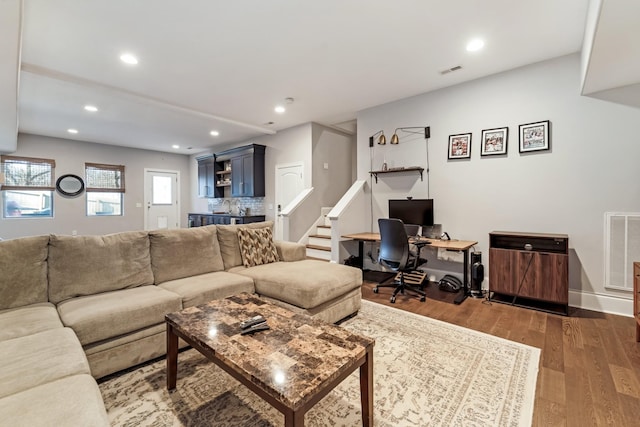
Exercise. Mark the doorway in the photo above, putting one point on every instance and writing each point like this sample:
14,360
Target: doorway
162,199
289,183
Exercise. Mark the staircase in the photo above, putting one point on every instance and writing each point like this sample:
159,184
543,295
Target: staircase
319,244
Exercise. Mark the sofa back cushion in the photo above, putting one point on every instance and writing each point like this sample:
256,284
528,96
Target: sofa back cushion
23,271
87,265
184,252
229,245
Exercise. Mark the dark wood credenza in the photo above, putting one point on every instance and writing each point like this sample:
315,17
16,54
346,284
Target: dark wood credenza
530,270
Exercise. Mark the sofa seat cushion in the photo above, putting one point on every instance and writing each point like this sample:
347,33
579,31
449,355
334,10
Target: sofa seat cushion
306,283
184,252
28,320
70,401
87,265
40,358
203,288
98,317
23,271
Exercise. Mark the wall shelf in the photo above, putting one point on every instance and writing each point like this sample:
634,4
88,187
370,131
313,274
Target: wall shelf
398,170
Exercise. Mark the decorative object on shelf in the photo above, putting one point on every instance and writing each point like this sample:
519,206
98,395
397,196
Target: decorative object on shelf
535,136
425,130
70,185
460,146
494,141
382,140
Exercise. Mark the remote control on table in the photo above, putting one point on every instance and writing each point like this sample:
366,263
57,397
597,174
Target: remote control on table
252,321
255,328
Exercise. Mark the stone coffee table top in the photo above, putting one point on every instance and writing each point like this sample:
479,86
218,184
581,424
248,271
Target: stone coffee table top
290,361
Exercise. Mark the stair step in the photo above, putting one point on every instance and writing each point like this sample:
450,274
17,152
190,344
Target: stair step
324,241
320,236
321,253
319,248
324,226
323,231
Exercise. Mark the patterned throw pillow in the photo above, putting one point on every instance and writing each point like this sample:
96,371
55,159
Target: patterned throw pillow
256,246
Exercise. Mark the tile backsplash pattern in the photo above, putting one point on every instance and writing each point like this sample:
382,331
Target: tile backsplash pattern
254,204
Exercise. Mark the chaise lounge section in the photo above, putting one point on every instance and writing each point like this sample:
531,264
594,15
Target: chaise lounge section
75,309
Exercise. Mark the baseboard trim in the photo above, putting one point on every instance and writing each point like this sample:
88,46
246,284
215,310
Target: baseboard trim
602,303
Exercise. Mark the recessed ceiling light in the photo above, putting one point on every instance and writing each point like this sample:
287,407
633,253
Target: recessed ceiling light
279,109
214,133
475,45
74,131
91,108
128,58
175,146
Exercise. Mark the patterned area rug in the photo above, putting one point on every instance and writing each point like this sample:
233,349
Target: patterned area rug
427,373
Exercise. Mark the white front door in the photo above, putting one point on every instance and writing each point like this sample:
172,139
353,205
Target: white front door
289,183
161,199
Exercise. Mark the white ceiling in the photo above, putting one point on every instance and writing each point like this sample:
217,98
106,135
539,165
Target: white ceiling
224,65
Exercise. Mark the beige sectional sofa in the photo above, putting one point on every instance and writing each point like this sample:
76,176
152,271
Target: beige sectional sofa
75,309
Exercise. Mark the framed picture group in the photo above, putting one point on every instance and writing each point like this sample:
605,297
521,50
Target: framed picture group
534,136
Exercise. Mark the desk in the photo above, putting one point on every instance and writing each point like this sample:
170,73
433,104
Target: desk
453,245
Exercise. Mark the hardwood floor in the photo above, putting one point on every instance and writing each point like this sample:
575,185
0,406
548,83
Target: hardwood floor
589,371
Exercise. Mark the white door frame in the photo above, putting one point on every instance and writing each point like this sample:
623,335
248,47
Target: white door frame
146,202
278,218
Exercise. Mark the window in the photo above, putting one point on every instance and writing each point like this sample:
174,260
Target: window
27,186
105,188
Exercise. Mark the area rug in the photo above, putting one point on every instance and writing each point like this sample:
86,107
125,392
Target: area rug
426,373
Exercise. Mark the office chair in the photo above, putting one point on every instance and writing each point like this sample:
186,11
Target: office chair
395,254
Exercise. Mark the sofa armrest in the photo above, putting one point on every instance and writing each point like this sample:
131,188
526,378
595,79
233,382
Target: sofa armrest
290,251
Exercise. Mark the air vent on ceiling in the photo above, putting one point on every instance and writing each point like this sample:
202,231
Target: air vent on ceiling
449,70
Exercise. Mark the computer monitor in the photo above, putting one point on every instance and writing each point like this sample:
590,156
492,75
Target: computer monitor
412,211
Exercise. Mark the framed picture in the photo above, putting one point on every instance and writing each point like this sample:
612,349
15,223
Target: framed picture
535,136
460,146
494,141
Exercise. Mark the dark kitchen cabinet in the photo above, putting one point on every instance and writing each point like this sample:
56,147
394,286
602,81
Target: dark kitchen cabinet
206,176
247,170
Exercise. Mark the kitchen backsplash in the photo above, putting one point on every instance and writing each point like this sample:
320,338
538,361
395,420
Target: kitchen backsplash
255,205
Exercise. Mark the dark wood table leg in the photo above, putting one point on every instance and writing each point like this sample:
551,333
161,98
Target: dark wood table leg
172,358
294,419
366,389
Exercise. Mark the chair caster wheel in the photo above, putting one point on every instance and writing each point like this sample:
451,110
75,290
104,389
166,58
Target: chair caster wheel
392,300
375,290
422,299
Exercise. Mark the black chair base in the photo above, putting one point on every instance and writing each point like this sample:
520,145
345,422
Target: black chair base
400,287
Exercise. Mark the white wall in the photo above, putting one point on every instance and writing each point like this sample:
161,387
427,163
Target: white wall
335,149
590,169
69,213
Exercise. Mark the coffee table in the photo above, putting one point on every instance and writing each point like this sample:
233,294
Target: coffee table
291,366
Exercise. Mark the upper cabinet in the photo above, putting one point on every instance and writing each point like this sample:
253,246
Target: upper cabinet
206,176
241,170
